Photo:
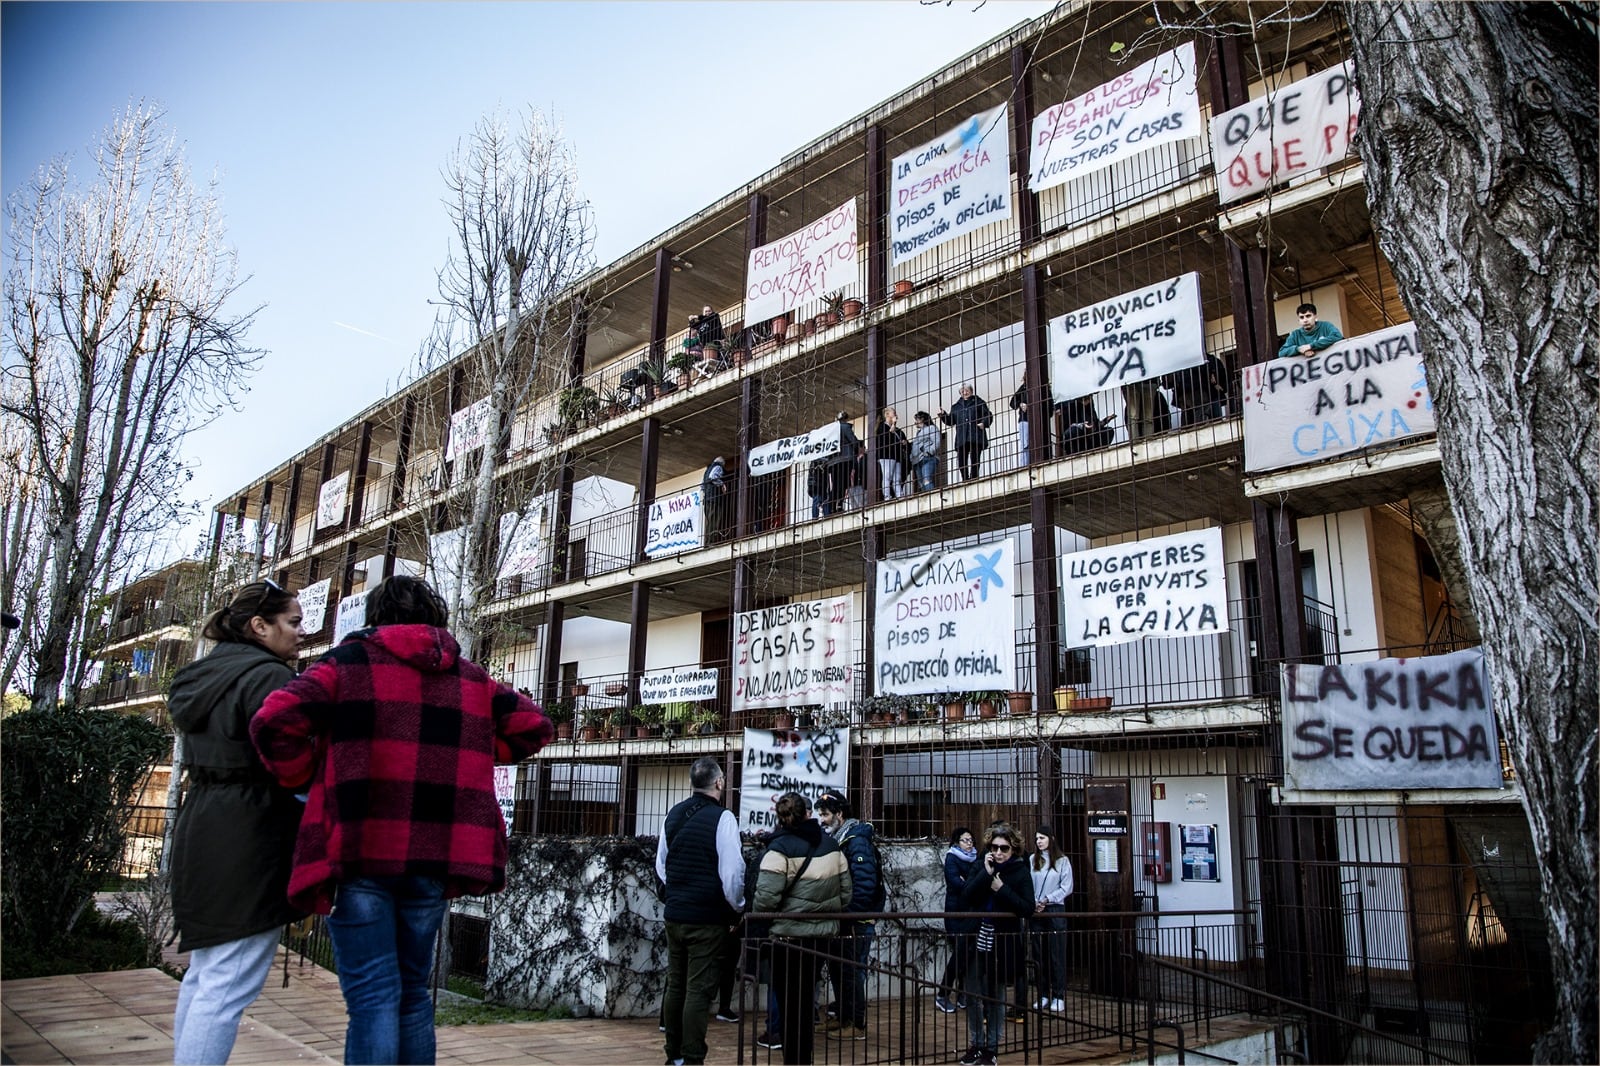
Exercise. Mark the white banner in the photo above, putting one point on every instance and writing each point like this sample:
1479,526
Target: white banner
1166,587
314,606
676,524
351,617
469,429
682,684
793,655
946,622
505,793
1393,723
785,452
1298,129
1363,392
1152,104
1133,337
331,500
789,760
445,558
951,186
521,543
811,261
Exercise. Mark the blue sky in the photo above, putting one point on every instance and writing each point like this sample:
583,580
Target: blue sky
328,125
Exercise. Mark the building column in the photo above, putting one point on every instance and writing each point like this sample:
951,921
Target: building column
877,183
872,554
1046,597
358,477
402,453
658,309
561,524
744,515
649,461
1021,134
325,469
877,393
263,516
1254,332
1042,437
550,651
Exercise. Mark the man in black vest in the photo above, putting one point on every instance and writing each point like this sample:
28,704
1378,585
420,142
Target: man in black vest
698,859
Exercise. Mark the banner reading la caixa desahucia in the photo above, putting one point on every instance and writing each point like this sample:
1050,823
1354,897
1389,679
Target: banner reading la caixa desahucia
954,184
946,621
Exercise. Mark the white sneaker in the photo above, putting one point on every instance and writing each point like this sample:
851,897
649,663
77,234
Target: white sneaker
1043,1003
1058,1005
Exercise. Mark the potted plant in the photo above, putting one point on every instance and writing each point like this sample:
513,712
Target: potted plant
560,713
780,328
589,727
737,347
1065,696
621,718
612,403
648,719
903,288
680,364
850,307
988,701
705,719
1021,702
615,688
832,309
675,718
954,704
577,403
578,688
877,710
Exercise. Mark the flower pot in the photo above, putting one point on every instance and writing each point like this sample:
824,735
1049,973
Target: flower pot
1021,702
783,720
852,308
955,712
780,327
616,688
1065,697
1091,705
764,347
741,356
641,732
808,327
563,730
903,289
589,734
826,319
987,709
683,379
580,689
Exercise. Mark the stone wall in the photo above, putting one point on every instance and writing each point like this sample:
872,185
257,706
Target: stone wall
580,925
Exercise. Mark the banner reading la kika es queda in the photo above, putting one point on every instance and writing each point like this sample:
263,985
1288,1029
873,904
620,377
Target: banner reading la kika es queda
1152,104
1164,587
1390,724
807,761
951,186
1298,129
794,655
814,260
1129,338
676,524
1363,392
946,622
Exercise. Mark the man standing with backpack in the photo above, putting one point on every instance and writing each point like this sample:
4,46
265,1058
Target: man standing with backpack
868,895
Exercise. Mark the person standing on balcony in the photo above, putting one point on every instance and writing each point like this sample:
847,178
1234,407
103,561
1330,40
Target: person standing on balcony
699,861
233,844
802,872
1019,404
841,466
1311,335
714,492
1052,884
1082,429
925,451
971,418
1001,887
398,736
893,453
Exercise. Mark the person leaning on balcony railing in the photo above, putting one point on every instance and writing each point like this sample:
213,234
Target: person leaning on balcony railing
971,418
233,844
1311,335
925,451
1082,429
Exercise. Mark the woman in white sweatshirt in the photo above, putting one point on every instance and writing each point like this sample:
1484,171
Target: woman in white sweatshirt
1052,884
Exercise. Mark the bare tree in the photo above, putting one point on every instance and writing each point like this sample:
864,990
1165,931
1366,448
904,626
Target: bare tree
117,345
1479,139
522,237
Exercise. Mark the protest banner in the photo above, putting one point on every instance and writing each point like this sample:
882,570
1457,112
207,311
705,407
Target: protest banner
1390,723
813,260
676,523
1165,587
331,500
521,542
950,186
1132,337
1361,393
352,616
793,654
505,793
314,606
1300,128
785,452
946,622
1150,105
681,684
807,761
445,561
469,429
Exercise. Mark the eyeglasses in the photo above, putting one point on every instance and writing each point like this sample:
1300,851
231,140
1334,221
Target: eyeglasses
999,847
269,586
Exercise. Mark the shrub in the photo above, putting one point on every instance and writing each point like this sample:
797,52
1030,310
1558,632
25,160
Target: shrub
66,781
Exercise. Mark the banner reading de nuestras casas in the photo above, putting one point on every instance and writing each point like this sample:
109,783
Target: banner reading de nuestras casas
817,259
1363,392
1164,587
951,186
785,452
807,761
946,622
1129,338
793,655
1390,724
1298,129
1152,104
676,524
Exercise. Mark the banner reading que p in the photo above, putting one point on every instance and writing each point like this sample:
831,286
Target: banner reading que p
793,655
814,260
946,622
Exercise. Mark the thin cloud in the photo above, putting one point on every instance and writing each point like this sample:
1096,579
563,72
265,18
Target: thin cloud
363,332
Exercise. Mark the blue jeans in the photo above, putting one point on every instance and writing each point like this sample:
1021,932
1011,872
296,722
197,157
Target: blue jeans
383,930
925,470
221,982
1022,439
986,1005
850,981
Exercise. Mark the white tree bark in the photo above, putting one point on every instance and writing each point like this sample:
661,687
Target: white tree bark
1479,140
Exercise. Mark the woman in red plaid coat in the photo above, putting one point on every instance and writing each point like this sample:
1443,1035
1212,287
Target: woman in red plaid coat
397,736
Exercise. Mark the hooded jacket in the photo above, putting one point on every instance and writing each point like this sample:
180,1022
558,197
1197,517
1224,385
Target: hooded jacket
234,837
824,887
398,736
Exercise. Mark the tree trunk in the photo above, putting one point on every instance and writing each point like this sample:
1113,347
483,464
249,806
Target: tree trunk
1479,140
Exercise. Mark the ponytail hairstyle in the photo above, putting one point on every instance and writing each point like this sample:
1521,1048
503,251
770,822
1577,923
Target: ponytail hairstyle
1052,854
259,599
403,600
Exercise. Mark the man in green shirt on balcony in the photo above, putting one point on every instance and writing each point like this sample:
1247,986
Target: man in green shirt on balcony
1311,336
